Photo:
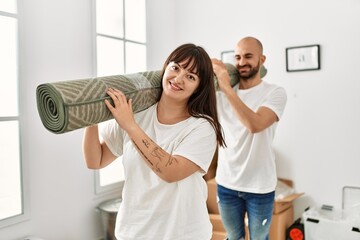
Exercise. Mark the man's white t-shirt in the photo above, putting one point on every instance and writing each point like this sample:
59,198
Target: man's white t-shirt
248,162
152,208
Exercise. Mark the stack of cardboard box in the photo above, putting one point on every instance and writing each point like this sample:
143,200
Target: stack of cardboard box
283,213
219,232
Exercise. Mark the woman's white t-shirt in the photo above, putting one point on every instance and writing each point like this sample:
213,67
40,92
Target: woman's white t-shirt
152,208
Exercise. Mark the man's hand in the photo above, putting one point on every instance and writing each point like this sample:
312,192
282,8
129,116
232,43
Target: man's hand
221,74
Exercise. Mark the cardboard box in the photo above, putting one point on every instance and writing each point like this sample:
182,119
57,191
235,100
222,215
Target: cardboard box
280,222
219,232
212,168
218,236
215,220
286,202
211,201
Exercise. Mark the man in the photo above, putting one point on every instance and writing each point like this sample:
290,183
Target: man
246,172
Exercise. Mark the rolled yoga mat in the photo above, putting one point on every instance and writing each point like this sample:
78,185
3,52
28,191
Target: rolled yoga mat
65,106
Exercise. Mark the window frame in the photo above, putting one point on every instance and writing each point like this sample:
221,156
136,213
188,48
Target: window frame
24,215
117,186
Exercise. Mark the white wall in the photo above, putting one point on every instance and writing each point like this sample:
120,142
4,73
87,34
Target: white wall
161,31
317,141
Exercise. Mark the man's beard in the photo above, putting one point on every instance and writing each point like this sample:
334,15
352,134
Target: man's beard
249,75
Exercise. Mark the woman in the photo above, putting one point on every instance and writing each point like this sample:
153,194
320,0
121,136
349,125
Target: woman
166,150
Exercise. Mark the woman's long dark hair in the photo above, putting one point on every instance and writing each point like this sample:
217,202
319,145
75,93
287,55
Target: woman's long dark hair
202,102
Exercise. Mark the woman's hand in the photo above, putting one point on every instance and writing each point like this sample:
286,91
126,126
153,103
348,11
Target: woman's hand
122,109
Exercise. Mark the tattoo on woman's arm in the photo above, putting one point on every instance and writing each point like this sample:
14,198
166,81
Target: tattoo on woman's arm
146,143
171,161
142,154
158,153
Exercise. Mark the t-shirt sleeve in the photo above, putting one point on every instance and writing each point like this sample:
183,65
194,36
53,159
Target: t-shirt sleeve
112,134
198,145
276,101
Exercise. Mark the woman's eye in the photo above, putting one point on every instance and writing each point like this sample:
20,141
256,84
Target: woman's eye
175,68
191,77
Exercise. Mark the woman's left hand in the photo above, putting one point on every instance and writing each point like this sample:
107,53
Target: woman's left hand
122,109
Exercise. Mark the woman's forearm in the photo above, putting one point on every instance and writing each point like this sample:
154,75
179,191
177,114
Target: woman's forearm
168,167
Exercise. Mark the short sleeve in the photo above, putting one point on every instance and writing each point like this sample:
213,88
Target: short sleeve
276,101
112,134
199,144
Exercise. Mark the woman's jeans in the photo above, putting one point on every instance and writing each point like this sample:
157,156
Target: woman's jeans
234,204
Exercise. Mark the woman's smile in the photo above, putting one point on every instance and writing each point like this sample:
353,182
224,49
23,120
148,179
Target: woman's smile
174,85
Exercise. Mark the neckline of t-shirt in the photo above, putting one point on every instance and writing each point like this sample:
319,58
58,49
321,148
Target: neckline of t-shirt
163,125
250,89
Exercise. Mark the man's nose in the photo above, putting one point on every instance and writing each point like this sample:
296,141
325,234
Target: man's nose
241,62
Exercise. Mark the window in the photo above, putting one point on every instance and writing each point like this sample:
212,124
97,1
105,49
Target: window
120,35
11,199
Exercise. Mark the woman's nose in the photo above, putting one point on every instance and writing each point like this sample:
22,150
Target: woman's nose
179,78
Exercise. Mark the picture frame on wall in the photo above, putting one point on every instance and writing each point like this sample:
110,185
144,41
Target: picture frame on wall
303,58
228,57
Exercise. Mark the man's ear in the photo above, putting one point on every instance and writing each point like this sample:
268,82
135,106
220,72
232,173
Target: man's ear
263,59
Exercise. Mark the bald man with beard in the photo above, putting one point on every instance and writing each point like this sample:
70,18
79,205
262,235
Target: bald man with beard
249,113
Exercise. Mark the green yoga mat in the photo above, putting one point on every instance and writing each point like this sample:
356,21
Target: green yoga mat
65,106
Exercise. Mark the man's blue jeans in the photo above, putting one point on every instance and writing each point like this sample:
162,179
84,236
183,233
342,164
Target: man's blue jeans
234,204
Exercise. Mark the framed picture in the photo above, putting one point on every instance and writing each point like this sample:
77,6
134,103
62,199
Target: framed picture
228,57
303,58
